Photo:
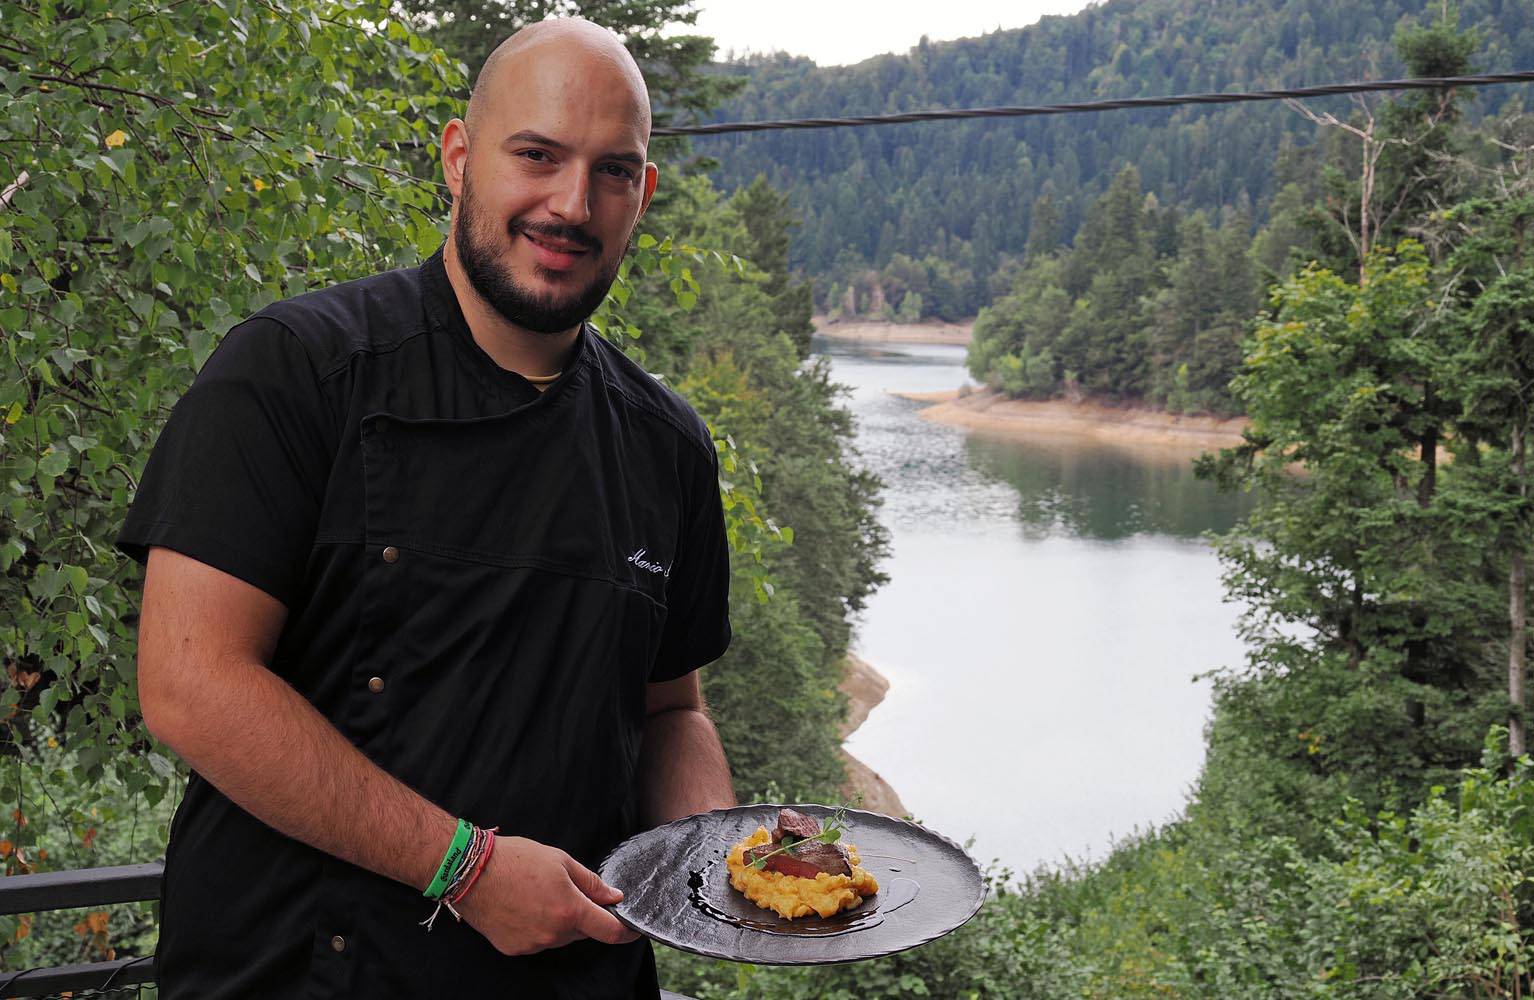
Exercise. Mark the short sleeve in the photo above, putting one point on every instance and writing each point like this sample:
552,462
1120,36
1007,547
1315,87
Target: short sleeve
697,629
238,475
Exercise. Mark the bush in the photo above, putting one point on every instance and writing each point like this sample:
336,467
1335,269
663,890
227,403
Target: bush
1435,903
56,822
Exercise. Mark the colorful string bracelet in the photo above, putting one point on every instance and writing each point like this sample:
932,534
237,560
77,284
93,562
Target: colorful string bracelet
461,866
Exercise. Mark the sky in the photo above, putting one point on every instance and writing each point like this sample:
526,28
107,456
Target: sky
838,32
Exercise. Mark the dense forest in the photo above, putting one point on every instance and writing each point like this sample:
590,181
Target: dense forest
949,210
1150,305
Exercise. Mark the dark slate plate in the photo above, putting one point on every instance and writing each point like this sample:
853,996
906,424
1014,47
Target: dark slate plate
676,889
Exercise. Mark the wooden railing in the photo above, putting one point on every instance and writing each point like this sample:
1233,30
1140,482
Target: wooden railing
90,887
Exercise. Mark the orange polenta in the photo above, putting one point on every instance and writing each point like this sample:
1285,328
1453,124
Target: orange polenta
791,896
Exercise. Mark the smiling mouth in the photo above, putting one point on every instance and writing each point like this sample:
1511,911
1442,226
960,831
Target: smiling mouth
560,248
554,256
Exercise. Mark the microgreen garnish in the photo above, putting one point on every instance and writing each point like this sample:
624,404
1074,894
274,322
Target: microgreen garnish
830,833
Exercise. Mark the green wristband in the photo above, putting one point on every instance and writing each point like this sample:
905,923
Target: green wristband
461,838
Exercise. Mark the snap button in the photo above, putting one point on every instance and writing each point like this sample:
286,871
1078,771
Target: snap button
338,943
390,554
376,685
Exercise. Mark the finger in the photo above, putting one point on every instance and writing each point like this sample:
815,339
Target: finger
590,883
599,925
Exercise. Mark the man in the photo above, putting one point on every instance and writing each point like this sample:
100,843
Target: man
424,547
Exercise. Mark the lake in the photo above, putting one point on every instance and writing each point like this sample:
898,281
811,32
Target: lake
1050,605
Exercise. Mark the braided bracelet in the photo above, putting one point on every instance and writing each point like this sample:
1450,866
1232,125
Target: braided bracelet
467,859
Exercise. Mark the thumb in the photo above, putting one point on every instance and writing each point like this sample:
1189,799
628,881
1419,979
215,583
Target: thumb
591,884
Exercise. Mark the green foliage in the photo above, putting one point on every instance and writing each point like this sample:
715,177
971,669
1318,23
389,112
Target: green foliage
1406,147
1492,293
170,185
1029,374
1490,312
969,193
910,310
55,822
907,290
1148,305
673,63
1435,902
1365,566
163,185
768,221
1425,904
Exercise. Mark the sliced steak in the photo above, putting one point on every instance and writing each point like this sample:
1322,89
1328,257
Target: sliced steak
796,823
829,858
807,860
781,863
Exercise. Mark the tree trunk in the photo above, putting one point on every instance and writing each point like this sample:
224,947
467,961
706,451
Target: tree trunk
1517,633
1365,199
1354,624
1429,483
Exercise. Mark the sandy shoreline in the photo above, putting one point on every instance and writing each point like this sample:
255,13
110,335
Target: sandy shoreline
993,413
870,331
865,687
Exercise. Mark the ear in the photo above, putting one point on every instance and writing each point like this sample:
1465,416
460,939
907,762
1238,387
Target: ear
651,175
455,155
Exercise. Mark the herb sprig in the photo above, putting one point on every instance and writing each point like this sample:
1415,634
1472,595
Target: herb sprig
830,832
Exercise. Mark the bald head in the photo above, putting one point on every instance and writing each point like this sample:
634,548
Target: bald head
572,50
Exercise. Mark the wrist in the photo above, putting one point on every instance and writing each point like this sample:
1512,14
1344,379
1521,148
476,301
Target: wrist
460,869
461,888
427,850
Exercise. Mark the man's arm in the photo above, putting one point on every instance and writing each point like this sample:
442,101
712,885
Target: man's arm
204,640
682,765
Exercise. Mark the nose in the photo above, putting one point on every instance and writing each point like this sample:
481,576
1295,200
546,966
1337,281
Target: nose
569,199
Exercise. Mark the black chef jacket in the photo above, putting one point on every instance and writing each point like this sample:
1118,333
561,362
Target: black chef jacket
481,580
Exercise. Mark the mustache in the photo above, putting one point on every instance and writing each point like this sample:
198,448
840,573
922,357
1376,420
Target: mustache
558,231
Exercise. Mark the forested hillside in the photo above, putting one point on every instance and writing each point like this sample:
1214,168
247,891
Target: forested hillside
951,206
1363,824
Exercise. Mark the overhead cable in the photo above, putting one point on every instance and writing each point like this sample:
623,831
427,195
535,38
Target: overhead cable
1079,107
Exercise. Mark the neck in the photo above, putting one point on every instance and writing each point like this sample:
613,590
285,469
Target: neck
510,346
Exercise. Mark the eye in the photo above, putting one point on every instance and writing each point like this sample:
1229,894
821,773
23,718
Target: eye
535,155
618,170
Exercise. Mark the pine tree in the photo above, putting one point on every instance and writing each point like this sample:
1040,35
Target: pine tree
1044,229
674,64
768,220
1492,295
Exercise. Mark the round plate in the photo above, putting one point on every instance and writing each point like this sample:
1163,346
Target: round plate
676,889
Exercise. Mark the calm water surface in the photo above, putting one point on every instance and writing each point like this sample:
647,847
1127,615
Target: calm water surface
1050,603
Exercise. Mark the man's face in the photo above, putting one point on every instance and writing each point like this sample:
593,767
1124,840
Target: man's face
552,296
552,188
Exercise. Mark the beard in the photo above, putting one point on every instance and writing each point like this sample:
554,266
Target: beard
550,312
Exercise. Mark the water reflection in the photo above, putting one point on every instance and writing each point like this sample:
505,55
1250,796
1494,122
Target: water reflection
1042,485
1100,491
